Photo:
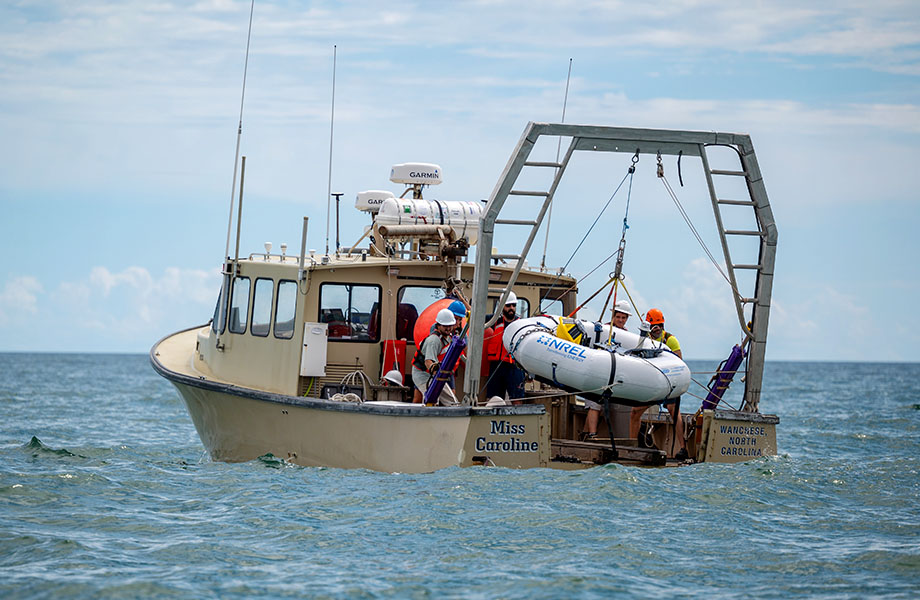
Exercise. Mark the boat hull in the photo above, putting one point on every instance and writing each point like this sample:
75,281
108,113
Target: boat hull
238,424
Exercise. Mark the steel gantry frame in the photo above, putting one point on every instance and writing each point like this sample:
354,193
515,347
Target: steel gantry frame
592,138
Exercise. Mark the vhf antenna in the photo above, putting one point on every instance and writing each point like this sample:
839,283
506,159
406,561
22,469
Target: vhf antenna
224,291
331,129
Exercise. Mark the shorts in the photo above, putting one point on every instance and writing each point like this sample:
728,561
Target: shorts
591,404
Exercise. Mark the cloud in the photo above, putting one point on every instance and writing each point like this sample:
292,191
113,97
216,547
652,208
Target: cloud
19,297
133,299
107,310
137,278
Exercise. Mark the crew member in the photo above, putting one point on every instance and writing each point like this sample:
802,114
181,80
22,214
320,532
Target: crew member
655,319
428,357
505,377
621,313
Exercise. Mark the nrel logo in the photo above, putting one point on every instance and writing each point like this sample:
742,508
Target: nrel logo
562,347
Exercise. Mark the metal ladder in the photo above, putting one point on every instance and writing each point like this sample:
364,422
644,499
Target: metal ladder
766,234
511,178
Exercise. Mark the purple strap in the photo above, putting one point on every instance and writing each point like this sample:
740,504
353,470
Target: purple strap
445,369
723,378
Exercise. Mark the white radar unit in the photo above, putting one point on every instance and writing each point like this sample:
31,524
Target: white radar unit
371,200
416,174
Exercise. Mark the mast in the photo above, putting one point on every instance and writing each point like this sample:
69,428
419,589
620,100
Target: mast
224,288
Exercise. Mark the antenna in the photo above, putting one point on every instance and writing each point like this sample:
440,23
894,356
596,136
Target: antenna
239,130
549,217
338,198
224,291
331,129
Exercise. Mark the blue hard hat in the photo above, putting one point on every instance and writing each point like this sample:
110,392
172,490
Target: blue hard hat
458,308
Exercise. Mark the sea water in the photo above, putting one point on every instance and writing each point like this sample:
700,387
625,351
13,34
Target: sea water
106,492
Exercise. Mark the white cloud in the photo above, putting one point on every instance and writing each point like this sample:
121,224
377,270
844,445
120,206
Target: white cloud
133,299
107,310
827,323
137,278
19,297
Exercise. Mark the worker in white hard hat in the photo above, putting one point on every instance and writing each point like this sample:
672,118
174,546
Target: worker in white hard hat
428,358
505,376
621,313
393,377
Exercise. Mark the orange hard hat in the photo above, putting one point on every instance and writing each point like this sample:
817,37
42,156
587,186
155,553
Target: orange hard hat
654,317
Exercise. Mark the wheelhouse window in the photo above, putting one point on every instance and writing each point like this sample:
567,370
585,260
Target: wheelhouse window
220,318
239,305
351,310
553,307
262,307
285,309
411,301
216,319
556,302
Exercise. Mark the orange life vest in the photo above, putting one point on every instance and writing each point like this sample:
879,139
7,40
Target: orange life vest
495,350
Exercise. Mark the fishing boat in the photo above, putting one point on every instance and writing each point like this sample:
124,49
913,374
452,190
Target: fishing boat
293,361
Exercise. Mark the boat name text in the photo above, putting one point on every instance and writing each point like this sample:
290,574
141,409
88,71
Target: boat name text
510,445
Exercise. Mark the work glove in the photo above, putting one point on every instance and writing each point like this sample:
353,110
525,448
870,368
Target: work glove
433,369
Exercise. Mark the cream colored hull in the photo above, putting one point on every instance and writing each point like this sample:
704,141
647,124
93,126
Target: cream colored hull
238,423
382,437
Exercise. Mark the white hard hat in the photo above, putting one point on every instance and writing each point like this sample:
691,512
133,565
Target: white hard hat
394,376
445,317
623,307
512,299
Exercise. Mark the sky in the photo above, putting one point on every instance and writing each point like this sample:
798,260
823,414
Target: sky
119,124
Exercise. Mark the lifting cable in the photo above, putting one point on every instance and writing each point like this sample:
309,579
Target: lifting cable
585,276
693,230
629,175
617,275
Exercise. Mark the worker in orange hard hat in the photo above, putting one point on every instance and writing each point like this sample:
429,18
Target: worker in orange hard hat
655,319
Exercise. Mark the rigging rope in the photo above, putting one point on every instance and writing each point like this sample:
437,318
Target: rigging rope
693,230
574,285
629,174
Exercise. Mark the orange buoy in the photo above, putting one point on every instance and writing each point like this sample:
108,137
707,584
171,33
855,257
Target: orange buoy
426,320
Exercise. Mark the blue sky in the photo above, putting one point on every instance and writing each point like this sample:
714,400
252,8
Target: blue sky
118,122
